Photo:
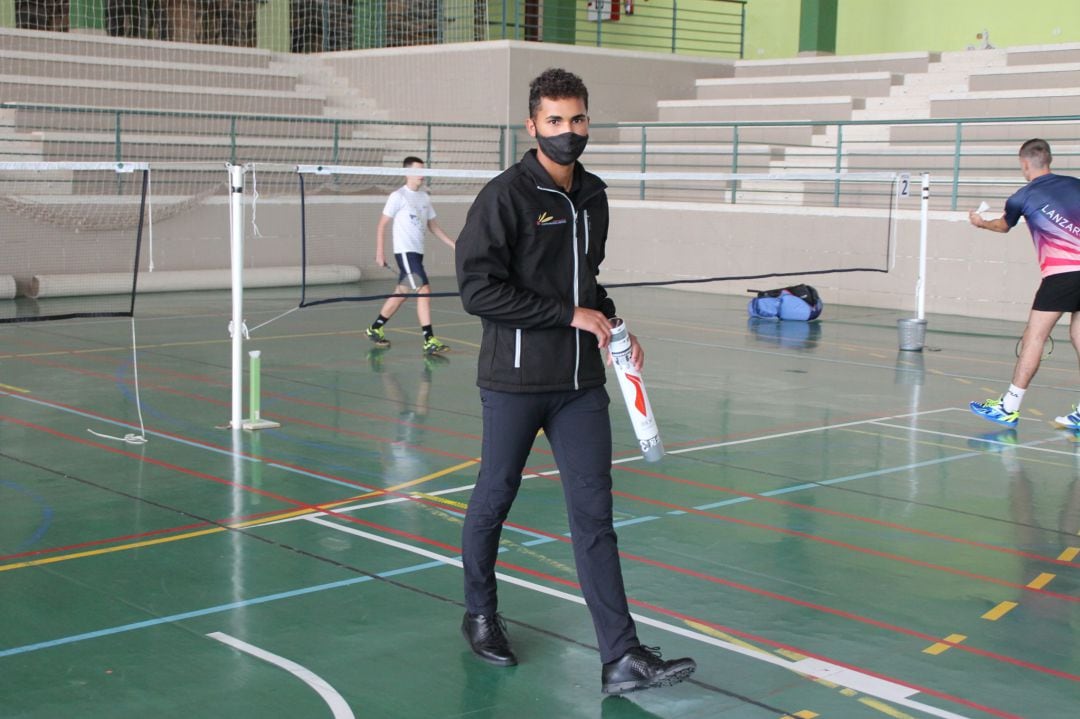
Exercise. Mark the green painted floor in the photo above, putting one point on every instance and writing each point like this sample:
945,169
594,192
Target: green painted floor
832,533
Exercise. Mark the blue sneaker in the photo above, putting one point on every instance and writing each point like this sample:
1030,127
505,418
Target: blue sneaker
993,410
1071,420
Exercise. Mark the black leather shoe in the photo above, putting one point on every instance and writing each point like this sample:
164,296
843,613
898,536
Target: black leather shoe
486,636
642,668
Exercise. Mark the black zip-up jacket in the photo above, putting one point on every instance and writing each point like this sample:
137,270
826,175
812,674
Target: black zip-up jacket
528,254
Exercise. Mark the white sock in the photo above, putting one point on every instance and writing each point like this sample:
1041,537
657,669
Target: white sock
1010,401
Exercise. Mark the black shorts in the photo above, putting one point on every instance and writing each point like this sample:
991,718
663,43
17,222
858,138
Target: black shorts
411,263
1058,293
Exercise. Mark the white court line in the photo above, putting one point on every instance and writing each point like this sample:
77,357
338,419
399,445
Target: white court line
780,435
1027,445
813,668
337,703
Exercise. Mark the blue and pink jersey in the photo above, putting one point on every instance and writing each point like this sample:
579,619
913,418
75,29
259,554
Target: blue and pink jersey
1051,205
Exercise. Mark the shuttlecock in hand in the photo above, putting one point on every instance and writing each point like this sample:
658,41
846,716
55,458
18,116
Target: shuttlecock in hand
983,207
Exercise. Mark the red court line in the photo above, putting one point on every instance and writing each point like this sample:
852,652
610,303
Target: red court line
558,580
220,480
145,369
851,547
854,517
286,418
848,546
690,510
821,657
296,420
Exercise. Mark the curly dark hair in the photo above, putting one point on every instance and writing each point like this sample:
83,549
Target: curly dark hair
556,84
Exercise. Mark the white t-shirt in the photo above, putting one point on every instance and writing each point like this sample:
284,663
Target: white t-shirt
410,211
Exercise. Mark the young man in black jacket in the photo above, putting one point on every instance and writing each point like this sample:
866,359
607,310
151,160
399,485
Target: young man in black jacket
527,261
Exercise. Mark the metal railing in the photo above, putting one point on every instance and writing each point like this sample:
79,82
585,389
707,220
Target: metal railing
969,159
690,27
54,133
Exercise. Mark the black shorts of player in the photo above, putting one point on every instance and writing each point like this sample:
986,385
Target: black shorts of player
411,263
1058,293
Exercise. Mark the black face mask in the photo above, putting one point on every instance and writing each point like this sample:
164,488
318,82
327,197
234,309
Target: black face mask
563,149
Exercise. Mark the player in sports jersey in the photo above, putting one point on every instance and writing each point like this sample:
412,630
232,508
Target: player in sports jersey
409,208
1051,206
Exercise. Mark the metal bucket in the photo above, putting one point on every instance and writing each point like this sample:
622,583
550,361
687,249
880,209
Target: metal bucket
912,334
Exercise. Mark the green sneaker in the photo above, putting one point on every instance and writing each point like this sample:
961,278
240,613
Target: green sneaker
434,346
378,336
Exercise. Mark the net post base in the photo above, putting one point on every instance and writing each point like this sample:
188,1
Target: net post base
258,424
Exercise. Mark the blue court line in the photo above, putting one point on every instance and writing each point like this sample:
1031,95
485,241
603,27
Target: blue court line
212,610
839,480
786,490
46,514
635,520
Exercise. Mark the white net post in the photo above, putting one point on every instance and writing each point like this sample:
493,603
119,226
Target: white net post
920,287
236,259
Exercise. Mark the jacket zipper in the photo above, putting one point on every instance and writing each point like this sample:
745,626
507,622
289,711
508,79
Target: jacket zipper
577,281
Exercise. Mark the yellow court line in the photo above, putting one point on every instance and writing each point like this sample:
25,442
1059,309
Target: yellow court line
442,500
1000,611
945,644
13,388
722,635
885,708
238,525
188,535
1041,581
1069,554
107,550
429,477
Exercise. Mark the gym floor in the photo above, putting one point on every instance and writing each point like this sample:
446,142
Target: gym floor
831,534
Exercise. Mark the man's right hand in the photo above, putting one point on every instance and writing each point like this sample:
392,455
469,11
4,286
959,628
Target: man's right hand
594,322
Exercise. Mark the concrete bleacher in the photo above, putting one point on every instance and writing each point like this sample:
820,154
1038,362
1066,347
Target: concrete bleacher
120,49
186,74
1044,54
159,96
905,62
859,84
1026,77
801,109
64,94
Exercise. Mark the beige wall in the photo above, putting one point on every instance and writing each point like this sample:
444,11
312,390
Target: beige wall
970,272
488,82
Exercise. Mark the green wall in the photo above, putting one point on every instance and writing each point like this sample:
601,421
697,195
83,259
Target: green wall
876,26
873,26
772,28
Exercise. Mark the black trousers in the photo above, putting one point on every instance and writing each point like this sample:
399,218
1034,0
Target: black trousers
579,430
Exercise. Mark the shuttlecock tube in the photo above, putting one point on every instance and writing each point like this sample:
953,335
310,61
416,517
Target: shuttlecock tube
633,392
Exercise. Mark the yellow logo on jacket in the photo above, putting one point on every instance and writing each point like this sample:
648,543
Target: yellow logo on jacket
545,220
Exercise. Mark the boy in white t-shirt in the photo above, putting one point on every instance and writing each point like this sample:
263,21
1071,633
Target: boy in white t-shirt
409,208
